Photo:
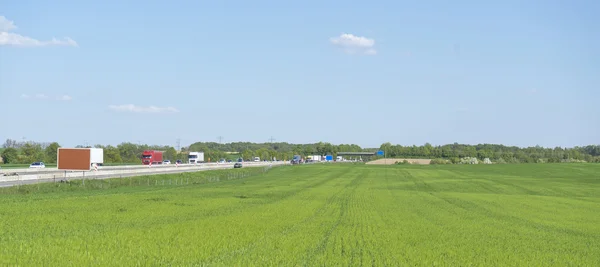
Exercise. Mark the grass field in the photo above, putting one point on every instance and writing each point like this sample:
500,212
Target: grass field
345,214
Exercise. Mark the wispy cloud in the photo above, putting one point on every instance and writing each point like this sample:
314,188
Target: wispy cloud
7,37
65,98
39,96
44,96
353,44
142,109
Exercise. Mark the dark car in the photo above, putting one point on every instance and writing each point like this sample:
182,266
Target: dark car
237,165
296,159
178,161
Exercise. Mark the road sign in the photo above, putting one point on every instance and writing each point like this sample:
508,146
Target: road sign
380,153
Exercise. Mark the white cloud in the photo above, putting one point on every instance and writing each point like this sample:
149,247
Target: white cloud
141,109
353,44
10,38
371,52
6,25
44,96
65,98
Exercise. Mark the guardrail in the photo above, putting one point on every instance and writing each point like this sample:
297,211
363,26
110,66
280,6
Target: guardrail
133,170
125,167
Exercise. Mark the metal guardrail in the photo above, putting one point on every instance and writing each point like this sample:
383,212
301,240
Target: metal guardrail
123,167
107,173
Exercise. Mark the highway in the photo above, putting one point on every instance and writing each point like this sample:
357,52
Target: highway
113,168
51,175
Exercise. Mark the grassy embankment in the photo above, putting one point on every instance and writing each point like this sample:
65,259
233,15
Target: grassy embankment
457,215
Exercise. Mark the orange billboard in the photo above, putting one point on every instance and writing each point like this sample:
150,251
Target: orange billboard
74,159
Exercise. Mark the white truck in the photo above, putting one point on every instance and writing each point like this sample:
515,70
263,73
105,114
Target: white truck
195,157
96,156
316,157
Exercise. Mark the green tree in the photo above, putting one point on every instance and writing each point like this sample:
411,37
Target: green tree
170,154
51,152
32,152
130,153
10,155
112,155
247,155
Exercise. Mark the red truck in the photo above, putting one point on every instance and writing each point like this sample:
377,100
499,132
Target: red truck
154,156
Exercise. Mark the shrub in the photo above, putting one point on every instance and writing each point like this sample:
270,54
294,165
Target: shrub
439,161
469,160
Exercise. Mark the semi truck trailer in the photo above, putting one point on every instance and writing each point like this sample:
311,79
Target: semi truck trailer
195,157
315,157
81,159
152,157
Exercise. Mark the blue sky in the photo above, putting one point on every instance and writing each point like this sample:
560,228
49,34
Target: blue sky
519,73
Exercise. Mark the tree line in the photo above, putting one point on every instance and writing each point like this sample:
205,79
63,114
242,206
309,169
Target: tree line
27,152
496,153
129,153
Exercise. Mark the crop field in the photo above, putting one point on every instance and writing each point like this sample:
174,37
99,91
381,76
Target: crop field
313,215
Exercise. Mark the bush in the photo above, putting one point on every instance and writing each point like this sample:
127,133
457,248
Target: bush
469,160
439,161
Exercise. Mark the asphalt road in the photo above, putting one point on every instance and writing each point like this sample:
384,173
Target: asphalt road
35,181
105,168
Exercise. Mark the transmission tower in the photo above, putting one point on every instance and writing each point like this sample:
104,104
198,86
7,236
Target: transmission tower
178,144
220,139
271,139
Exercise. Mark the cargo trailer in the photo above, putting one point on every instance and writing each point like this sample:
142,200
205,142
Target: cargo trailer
150,157
195,157
79,159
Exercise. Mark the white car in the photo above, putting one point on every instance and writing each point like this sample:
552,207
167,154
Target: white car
37,165
166,162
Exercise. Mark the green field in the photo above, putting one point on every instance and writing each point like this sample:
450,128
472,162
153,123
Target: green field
313,215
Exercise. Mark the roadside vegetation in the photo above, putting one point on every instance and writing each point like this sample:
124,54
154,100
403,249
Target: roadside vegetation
315,214
25,153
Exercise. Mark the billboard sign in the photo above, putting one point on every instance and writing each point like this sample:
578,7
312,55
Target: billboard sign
74,159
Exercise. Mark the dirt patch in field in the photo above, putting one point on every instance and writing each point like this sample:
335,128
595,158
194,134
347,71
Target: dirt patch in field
393,161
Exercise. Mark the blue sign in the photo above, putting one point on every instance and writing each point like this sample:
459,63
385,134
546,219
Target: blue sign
329,157
380,152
